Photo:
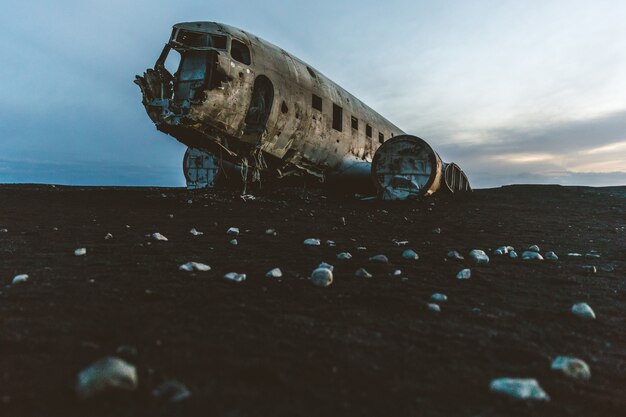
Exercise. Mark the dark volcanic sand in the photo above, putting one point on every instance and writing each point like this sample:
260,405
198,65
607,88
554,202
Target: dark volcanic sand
282,347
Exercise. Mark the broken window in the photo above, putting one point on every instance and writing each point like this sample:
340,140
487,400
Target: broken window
240,52
355,123
381,137
337,117
201,40
316,102
368,131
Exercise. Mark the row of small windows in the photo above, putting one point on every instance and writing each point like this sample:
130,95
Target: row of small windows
316,103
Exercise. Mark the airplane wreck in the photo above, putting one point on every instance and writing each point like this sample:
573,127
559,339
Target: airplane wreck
242,104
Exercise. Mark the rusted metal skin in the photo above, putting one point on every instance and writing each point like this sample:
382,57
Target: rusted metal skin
251,103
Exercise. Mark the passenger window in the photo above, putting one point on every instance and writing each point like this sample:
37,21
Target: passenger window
337,118
240,52
368,131
381,137
316,102
355,123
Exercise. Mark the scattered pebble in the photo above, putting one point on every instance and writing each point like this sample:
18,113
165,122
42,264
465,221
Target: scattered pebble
171,216
159,236
108,236
434,307
104,375
400,242
4,231
195,232
271,232
234,242
235,277
397,273
381,259
464,274
513,254
127,350
20,279
194,266
479,256
437,231
80,252
439,297
583,310
532,255
362,273
322,277
572,367
361,248
274,273
607,268
325,265
521,388
534,248
312,242
331,243
503,250
574,255
344,256
590,269
171,391
233,231
455,255
592,255
410,254
551,256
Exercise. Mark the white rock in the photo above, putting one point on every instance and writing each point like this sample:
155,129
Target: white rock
593,255
479,256
551,256
104,375
234,242
534,248
361,248
498,252
464,274
455,255
108,236
532,255
574,255
381,259
20,279
590,269
4,231
437,231
521,388
235,277
344,256
583,310
171,216
400,242
502,250
312,242
325,265
195,232
271,232
512,254
410,254
397,273
194,266
274,273
322,277
362,273
434,307
159,236
233,231
439,297
572,367
331,243
172,391
80,252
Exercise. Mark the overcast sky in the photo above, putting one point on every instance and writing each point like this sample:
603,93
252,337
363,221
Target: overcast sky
526,91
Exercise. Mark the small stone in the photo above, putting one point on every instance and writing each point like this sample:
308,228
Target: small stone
455,255
479,256
400,242
234,242
410,254
80,252
437,231
520,388
574,255
380,259
312,242
127,351
572,367
194,266
342,220
532,255
344,256
171,391
233,231
330,243
362,273
590,269
171,216
607,268
159,236
512,254
322,277
105,375
592,255
325,265
4,231
195,232
503,250
498,252
434,307
271,232
464,274
108,236
583,310
361,248
189,201
439,297
20,279
235,277
274,273
533,248
551,256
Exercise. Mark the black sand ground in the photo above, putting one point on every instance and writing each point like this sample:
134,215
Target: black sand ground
282,347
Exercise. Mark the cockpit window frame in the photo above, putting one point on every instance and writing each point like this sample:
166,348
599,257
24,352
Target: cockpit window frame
230,51
223,44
